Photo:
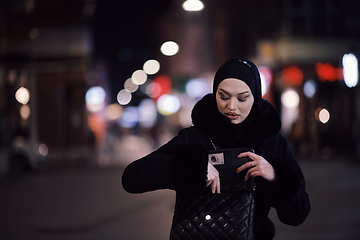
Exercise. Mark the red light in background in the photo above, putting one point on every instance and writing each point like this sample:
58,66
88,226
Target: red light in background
98,125
292,75
160,86
327,72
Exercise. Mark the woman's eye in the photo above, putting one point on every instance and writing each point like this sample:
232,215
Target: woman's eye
223,97
243,99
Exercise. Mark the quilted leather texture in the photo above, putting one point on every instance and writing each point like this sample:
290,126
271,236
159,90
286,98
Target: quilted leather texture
213,216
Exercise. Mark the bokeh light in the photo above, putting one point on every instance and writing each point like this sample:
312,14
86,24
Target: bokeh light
153,90
25,112
129,118
151,67
124,97
193,5
169,48
130,85
289,110
43,149
290,98
160,86
185,117
95,99
147,113
12,76
324,115
113,112
327,72
266,78
292,75
197,88
350,70
22,95
95,107
139,77
95,95
168,104
310,88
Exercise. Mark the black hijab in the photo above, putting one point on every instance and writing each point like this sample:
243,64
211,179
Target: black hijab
262,123
244,70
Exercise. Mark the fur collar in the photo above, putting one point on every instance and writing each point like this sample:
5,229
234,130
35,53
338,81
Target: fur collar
255,130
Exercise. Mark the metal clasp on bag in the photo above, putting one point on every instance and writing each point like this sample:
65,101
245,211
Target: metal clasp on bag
216,158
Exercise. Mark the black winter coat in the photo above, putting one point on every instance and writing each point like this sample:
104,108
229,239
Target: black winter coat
181,164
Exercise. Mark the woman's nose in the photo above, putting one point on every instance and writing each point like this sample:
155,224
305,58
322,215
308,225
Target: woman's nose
231,104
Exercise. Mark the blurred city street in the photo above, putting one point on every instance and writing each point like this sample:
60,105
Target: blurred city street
89,203
87,86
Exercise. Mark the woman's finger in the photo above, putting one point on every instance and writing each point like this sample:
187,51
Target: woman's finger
214,186
249,174
245,166
213,179
218,186
250,155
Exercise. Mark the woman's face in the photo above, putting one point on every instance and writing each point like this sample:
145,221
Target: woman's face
234,99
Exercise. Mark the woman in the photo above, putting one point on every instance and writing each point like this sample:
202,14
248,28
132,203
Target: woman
234,116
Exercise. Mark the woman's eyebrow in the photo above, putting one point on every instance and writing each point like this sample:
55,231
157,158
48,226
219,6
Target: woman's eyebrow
230,94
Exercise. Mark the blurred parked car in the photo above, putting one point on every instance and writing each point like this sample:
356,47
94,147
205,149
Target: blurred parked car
26,155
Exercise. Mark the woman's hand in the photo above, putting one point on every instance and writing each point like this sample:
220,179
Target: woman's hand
213,179
258,167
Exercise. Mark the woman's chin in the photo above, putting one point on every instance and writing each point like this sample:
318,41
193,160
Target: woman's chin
236,121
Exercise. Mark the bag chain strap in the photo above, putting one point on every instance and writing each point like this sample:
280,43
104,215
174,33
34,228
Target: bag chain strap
213,144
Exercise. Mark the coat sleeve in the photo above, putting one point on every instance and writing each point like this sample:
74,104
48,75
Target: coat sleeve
288,193
178,165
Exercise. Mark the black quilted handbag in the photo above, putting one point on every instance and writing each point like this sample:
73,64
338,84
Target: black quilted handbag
229,215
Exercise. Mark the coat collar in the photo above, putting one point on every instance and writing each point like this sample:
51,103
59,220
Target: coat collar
255,130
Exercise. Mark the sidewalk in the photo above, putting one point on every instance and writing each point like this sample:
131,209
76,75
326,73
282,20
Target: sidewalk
334,191
89,203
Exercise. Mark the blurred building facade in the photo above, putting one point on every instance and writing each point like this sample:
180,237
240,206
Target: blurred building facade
59,49
46,48
299,41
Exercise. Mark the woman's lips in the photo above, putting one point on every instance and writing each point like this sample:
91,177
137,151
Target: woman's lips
232,115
